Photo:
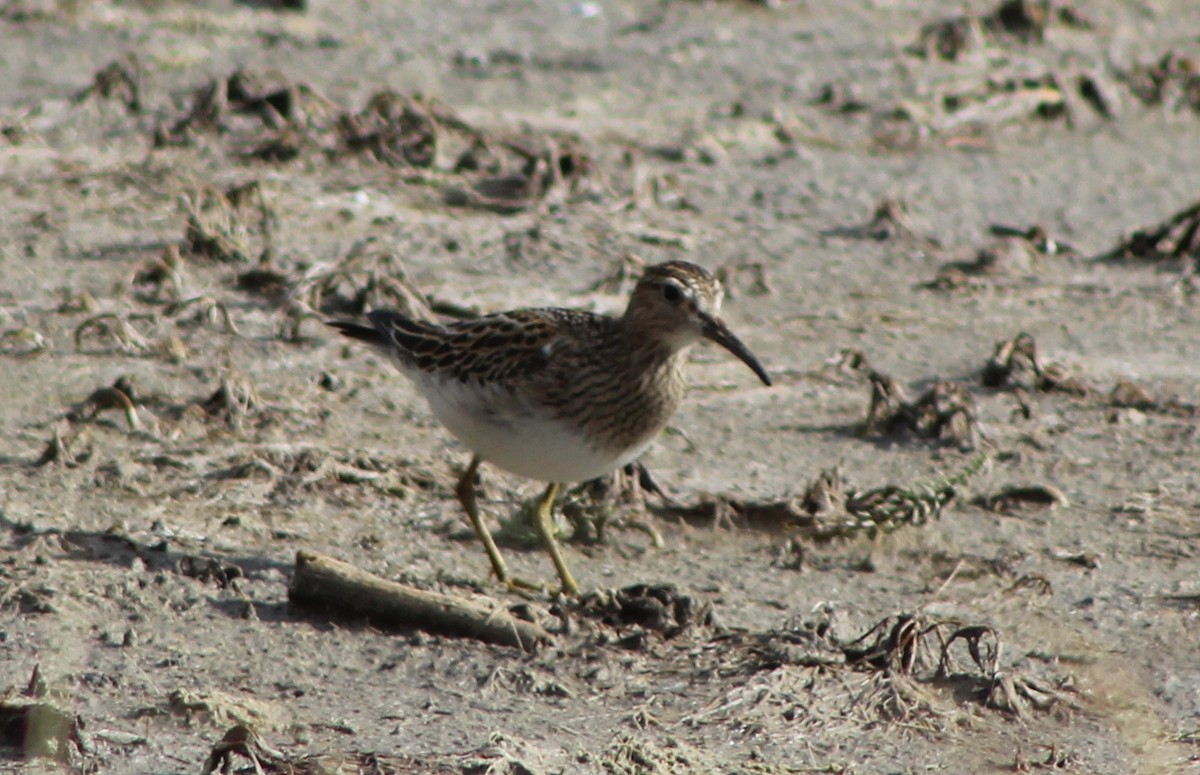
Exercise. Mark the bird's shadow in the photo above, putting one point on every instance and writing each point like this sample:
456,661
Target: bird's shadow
215,570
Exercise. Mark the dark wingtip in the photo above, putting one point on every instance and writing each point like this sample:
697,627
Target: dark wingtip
355,331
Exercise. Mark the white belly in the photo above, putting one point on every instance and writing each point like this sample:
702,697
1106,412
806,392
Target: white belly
514,435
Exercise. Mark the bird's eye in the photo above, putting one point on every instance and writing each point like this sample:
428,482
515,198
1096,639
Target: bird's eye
671,292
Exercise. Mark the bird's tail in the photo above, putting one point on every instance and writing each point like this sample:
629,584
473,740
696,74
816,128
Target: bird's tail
368,334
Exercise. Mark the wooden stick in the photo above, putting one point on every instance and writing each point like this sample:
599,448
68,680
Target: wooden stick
323,581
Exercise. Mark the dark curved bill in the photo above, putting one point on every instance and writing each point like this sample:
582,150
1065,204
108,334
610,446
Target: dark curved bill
716,330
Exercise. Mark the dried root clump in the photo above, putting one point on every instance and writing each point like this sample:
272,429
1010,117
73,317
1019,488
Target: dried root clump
233,402
121,80
1172,82
1022,498
637,610
396,129
1127,394
160,279
521,173
1176,239
1016,21
1015,365
909,668
830,509
889,221
484,171
69,446
120,396
270,114
945,412
115,328
205,311
241,742
369,276
221,225
929,651
274,121
592,506
22,342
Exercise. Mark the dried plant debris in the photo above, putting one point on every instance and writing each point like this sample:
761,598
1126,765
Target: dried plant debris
115,328
242,742
69,446
1015,365
265,282
528,171
1021,21
505,62
294,314
1022,498
222,224
1000,100
945,412
653,189
369,276
841,97
218,707
909,667
270,119
120,396
245,104
888,222
1176,239
1012,253
639,609
125,337
22,342
210,570
1027,20
966,116
235,400
1037,237
1008,257
395,129
120,80
948,38
1127,394
830,508
807,644
835,510
503,175
618,499
160,279
1172,82
909,644
1055,760
205,311
926,649
1082,558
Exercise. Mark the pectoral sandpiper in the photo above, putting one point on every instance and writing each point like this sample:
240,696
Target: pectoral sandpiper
558,395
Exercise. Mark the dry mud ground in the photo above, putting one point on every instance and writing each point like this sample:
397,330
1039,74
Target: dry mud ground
183,227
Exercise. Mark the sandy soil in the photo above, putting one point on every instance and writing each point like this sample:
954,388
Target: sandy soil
149,530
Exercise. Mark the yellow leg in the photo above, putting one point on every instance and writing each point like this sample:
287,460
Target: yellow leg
545,526
466,496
